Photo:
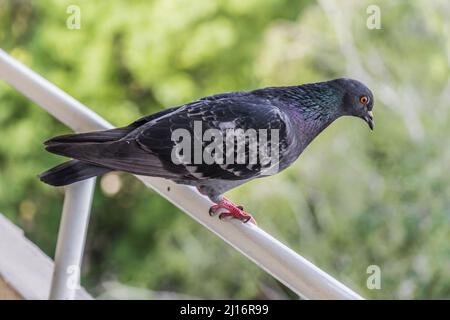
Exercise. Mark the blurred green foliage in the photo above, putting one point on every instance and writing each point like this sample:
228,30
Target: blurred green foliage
354,198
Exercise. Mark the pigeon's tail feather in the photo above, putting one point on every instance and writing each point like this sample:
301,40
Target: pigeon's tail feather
70,172
99,152
76,170
95,136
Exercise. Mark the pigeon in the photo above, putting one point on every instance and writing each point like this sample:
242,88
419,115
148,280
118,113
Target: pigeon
294,115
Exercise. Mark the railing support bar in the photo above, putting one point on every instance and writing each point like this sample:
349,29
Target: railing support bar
71,239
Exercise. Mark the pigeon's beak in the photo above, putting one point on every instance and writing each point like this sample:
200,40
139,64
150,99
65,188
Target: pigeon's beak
369,119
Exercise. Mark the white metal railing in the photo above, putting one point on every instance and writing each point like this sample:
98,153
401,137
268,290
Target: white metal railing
277,259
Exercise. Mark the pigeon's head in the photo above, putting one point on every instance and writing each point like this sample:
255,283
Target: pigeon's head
357,100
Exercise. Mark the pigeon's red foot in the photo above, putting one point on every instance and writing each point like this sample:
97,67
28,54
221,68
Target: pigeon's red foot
230,210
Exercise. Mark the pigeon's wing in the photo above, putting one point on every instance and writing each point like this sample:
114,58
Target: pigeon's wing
220,112
147,149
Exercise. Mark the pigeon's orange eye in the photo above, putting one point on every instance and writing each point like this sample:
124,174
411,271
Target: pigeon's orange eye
363,99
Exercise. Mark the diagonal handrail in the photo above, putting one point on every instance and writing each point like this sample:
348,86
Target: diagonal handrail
277,259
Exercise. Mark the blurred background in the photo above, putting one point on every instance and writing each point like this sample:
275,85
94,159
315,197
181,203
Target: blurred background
355,198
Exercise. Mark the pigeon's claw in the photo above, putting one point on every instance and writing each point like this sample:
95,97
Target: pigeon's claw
214,210
226,208
240,215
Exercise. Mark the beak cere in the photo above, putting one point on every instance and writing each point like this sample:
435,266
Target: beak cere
369,119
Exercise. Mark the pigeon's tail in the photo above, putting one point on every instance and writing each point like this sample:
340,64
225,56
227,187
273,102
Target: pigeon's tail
76,170
70,172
